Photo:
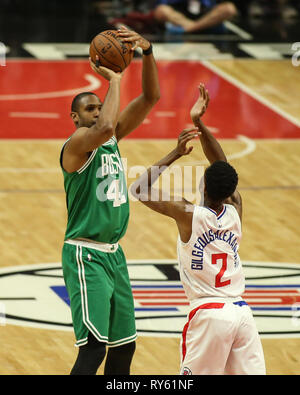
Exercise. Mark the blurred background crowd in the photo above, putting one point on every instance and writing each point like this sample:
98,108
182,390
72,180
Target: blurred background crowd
79,20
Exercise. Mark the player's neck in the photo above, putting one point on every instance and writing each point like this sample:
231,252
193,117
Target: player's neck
216,207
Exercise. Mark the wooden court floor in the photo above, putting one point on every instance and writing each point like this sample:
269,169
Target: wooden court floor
33,218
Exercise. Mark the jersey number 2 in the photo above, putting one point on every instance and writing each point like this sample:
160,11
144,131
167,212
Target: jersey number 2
214,260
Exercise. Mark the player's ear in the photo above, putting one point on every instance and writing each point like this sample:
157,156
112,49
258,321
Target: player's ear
74,116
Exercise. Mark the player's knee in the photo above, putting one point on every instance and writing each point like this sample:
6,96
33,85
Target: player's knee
90,357
228,10
130,347
100,351
162,12
119,359
126,350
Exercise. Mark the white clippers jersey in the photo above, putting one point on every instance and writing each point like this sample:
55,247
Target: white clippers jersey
209,263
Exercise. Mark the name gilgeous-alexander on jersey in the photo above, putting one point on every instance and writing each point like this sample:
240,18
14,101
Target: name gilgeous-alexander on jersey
209,262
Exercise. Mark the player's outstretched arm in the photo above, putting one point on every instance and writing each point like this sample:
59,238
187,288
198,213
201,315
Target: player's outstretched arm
160,201
86,139
211,148
156,199
136,111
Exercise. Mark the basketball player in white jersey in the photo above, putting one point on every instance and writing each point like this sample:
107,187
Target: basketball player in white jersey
220,336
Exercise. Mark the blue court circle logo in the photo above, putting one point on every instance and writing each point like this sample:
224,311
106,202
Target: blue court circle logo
36,296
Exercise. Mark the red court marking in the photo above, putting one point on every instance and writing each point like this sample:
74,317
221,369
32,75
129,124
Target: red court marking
165,304
231,111
278,291
268,301
159,297
146,291
280,297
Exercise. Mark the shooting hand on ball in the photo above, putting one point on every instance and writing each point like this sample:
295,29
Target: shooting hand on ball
134,38
104,71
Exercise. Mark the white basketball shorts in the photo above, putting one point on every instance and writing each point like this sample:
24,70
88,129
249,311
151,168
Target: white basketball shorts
221,338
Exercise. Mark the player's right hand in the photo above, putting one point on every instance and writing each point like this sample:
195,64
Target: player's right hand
184,138
104,71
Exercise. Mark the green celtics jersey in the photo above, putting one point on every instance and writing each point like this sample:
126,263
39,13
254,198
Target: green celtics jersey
97,198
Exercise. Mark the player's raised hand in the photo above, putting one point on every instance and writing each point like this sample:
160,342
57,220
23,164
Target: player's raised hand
200,106
133,37
184,138
104,71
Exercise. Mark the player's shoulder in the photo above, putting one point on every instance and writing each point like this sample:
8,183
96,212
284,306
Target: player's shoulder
230,208
207,212
75,137
235,200
78,134
234,213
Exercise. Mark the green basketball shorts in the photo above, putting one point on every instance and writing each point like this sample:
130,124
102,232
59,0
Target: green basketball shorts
97,281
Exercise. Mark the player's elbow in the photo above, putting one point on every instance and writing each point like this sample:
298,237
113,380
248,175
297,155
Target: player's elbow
156,95
156,98
152,98
105,131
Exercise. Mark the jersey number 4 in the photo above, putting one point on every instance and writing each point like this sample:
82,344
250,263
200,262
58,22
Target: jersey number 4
115,194
214,260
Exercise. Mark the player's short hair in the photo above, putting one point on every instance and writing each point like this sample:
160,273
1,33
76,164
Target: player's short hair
221,180
77,98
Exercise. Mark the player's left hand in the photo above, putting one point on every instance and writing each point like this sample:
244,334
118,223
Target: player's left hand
186,136
200,106
130,36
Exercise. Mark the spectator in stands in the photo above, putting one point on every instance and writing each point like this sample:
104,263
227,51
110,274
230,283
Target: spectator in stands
274,8
189,16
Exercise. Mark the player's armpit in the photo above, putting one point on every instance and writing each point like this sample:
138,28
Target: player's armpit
83,141
88,139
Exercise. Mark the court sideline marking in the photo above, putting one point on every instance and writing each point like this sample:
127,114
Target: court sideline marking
251,92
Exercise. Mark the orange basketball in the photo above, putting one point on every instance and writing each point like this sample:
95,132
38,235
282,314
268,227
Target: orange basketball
112,52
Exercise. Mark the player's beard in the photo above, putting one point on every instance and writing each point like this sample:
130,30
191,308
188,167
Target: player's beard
89,124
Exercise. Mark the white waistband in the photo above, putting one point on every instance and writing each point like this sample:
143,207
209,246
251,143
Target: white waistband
104,247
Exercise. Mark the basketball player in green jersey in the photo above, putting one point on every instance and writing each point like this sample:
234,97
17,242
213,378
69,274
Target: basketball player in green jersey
94,266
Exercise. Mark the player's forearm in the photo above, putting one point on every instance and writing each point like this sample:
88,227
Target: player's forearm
150,80
211,147
141,188
167,160
109,113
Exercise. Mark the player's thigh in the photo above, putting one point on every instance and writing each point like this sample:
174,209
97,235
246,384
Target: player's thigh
122,320
206,342
246,356
89,282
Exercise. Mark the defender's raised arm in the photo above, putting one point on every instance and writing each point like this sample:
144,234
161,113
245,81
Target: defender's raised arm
211,147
